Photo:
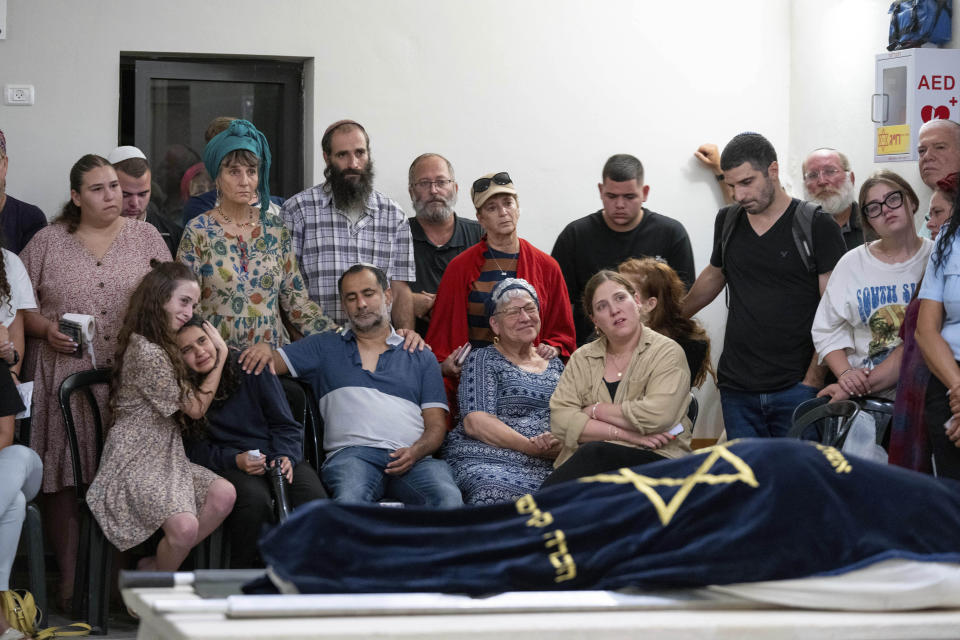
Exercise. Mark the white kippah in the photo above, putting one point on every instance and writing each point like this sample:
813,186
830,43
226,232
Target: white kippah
124,153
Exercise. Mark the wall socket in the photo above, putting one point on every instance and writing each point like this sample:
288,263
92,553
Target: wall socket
18,95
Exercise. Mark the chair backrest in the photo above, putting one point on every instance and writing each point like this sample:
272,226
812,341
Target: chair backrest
303,406
82,382
693,410
824,423
805,406
882,411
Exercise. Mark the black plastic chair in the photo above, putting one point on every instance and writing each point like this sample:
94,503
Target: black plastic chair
91,591
882,411
825,423
32,539
693,410
306,411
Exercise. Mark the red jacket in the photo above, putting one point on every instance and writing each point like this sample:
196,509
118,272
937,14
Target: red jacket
448,323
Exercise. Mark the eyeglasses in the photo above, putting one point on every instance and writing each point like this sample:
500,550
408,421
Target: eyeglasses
482,184
893,201
826,172
425,185
514,312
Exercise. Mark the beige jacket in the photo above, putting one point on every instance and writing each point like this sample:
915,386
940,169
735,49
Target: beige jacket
653,395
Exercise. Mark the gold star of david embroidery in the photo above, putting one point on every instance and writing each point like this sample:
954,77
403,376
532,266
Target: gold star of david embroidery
645,484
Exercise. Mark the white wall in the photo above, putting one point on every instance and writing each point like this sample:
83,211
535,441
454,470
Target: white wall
834,47
546,89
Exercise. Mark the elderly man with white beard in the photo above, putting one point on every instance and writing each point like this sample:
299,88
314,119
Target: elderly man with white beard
439,234
828,182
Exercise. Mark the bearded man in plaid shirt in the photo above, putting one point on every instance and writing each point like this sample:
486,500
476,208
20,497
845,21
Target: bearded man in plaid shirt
344,221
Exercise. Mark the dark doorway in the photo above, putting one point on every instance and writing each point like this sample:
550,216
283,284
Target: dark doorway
167,103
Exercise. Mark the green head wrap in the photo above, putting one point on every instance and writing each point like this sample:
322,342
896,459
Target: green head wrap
241,134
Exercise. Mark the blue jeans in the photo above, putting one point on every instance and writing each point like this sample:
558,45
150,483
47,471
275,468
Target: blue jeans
762,415
355,474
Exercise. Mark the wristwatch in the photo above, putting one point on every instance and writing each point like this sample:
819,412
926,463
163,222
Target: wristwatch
16,358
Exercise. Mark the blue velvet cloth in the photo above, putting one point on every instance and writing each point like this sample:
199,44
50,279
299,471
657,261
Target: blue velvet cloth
746,511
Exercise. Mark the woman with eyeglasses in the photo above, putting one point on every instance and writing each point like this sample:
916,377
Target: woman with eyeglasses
458,313
502,447
857,325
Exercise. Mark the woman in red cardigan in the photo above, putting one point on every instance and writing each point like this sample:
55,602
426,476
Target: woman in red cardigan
458,317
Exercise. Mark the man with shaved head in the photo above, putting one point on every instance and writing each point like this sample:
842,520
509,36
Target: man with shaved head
938,149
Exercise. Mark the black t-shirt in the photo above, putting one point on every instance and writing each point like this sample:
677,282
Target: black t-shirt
773,298
588,245
169,230
695,352
431,261
20,221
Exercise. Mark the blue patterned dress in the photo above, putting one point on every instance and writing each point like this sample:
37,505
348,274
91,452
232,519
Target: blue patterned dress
487,474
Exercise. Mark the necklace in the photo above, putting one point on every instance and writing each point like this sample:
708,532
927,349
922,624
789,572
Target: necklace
616,365
242,225
503,272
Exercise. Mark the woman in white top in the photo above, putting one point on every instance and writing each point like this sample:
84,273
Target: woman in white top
20,467
858,321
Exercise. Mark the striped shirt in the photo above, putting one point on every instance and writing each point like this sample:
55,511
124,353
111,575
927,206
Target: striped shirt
327,243
497,266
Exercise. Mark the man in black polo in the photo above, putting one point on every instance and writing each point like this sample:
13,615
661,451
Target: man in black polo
439,235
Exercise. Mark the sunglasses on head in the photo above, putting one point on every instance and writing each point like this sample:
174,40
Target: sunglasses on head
482,184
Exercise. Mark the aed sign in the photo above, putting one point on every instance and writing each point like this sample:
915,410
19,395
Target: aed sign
937,93
937,83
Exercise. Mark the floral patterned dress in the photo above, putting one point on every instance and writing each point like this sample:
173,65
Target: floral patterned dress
246,282
131,499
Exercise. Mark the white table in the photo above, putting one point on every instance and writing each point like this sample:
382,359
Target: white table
596,616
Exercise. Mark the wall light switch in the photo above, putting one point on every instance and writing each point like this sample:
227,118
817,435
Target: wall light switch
18,95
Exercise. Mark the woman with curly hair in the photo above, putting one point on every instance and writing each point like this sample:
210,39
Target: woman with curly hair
662,290
248,412
145,480
249,278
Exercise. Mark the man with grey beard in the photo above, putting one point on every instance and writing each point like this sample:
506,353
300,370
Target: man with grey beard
828,182
344,221
439,234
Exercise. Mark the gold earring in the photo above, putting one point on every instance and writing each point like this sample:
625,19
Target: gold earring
496,339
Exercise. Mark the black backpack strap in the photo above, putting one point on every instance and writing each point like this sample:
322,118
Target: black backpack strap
803,233
731,214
